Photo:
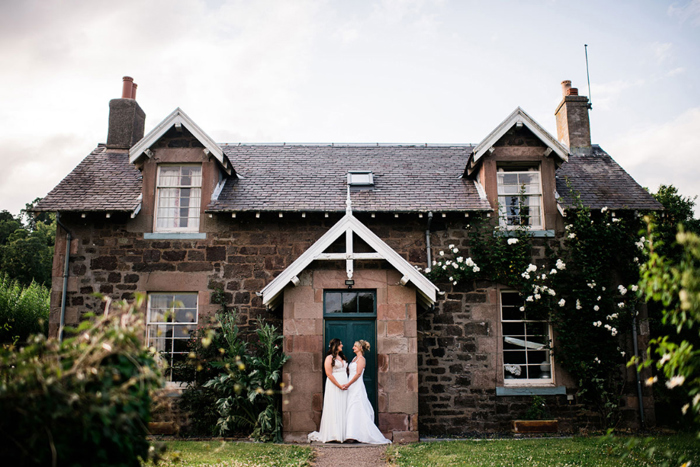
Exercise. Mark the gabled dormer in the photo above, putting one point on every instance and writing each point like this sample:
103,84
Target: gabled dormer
516,165
183,170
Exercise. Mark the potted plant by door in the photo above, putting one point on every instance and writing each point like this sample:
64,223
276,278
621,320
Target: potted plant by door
537,419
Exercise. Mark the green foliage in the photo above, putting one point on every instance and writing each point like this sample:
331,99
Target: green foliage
538,409
236,454
26,250
83,401
23,310
581,288
241,381
593,452
249,387
676,285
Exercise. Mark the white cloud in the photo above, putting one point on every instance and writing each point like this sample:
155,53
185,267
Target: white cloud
663,154
662,51
688,12
606,95
676,71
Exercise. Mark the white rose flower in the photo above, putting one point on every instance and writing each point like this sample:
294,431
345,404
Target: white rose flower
460,259
562,302
537,296
522,308
525,275
476,269
578,305
531,268
572,235
553,271
529,299
455,265
561,265
450,246
451,278
455,250
596,308
621,305
512,241
664,358
675,381
622,289
634,287
442,253
427,270
551,292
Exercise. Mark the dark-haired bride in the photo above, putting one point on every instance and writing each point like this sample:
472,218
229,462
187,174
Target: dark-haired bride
333,419
360,414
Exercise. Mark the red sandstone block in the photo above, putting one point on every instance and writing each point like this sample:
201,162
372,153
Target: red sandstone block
289,344
403,402
302,421
308,344
400,294
382,402
410,328
286,420
382,362
299,400
317,402
391,311
393,422
382,296
414,422
405,437
390,345
381,328
296,437
412,382
411,310
412,345
402,363
299,294
395,328
311,310
329,279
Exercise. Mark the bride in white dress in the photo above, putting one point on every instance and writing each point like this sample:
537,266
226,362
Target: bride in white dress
333,419
360,414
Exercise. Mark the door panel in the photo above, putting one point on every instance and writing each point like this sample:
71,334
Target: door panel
349,331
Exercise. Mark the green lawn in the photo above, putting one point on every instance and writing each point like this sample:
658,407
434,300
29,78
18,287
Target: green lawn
594,452
234,454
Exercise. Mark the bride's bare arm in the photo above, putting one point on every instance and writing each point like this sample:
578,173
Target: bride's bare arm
329,371
360,366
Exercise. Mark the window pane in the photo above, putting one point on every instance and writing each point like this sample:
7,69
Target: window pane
512,329
511,299
366,302
512,357
349,302
333,302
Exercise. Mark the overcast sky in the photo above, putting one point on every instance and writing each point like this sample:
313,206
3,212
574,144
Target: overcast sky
391,71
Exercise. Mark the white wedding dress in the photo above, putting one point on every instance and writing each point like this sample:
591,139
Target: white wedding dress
360,414
334,405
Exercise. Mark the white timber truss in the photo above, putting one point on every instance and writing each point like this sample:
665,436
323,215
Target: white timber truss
178,118
349,225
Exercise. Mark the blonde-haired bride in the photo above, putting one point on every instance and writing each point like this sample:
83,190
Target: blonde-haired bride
359,413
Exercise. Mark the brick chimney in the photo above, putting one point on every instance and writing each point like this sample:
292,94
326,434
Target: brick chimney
573,126
126,118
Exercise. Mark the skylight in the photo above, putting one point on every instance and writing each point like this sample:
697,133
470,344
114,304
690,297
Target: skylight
360,178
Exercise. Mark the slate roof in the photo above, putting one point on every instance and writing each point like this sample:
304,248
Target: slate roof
103,181
313,178
601,182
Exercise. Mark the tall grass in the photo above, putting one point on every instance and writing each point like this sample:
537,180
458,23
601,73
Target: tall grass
23,310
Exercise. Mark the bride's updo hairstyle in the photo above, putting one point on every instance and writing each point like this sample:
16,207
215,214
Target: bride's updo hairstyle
364,345
334,351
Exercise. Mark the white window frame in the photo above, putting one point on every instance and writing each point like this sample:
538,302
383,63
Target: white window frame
354,178
189,228
523,381
502,217
161,326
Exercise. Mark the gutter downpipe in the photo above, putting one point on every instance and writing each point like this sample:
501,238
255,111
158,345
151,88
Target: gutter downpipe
427,239
636,367
65,278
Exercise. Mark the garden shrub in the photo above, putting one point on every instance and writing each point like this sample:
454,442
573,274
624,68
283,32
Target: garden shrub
83,401
242,383
23,310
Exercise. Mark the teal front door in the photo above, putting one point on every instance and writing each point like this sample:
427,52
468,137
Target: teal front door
351,315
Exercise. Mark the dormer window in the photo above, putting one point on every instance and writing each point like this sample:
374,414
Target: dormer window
360,178
178,195
520,197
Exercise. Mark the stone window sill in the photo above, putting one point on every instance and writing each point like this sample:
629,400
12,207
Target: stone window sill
534,233
530,391
175,236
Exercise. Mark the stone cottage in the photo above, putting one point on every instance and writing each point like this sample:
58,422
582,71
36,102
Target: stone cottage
325,241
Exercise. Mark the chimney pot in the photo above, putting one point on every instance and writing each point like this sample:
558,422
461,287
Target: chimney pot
565,86
573,92
128,87
133,90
